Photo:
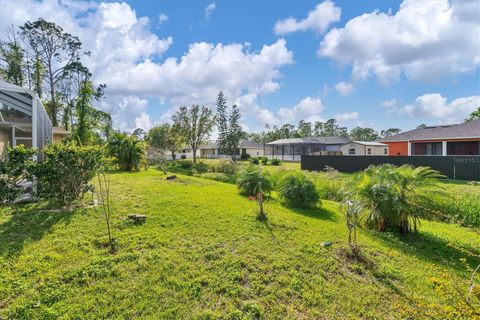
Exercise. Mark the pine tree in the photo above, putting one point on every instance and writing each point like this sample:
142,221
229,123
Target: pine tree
222,122
234,132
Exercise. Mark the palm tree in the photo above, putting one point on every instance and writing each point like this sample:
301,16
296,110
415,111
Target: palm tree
394,197
127,150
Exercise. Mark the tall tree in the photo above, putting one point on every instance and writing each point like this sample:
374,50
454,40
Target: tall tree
12,63
165,137
475,115
235,132
57,50
330,128
222,122
390,132
304,129
363,134
195,124
229,129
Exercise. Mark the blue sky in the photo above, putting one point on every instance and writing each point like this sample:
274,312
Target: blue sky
370,63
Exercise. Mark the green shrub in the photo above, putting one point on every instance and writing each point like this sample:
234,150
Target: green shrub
393,196
264,160
276,162
254,161
15,168
200,167
251,179
66,171
218,176
127,150
244,156
296,190
329,184
225,167
183,164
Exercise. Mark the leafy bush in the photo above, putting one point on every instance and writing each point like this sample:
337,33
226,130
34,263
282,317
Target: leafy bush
276,162
329,184
15,168
264,160
127,150
245,156
462,208
225,167
296,190
218,176
183,156
200,167
251,179
393,196
65,173
255,161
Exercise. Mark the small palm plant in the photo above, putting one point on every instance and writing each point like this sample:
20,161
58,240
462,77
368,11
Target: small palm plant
127,150
394,196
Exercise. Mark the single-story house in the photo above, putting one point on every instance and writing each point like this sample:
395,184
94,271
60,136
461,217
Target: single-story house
23,119
442,140
292,149
364,148
59,134
212,150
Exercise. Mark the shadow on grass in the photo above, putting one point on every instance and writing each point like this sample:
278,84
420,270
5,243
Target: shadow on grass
430,248
318,213
28,223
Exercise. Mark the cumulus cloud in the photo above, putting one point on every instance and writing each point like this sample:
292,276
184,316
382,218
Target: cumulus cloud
344,88
347,116
131,59
318,20
434,105
424,40
209,10
202,72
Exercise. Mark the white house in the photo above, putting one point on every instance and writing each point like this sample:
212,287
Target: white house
364,148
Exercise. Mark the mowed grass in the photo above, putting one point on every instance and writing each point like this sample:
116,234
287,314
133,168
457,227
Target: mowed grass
202,255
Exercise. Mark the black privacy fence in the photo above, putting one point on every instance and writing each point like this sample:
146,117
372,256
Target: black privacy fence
454,167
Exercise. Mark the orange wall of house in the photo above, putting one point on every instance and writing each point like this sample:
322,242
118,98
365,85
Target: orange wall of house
398,148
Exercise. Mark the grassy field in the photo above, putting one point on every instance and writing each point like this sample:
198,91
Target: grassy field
202,255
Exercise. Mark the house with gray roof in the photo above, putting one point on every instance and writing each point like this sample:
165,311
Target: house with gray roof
441,140
212,150
292,149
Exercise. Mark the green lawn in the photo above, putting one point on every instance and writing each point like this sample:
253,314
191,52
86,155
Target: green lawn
202,255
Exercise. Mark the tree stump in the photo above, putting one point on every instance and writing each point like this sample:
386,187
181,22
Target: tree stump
172,177
137,217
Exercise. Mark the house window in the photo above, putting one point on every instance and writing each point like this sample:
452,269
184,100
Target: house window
369,151
385,151
351,151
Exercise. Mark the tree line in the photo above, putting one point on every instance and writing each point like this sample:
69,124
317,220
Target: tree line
41,56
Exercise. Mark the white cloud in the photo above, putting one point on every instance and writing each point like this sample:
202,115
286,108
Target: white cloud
347,116
424,40
129,58
318,20
308,109
162,18
389,103
209,10
202,72
434,105
344,88
144,121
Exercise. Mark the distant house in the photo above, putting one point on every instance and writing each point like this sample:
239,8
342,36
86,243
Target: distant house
293,149
443,140
212,150
363,148
59,134
23,119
